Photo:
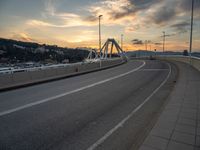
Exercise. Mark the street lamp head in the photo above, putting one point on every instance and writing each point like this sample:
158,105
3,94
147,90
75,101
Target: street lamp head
100,16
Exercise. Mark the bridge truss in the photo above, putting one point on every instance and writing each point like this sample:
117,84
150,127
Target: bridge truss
107,50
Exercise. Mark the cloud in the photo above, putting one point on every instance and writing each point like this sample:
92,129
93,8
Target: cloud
148,41
158,43
132,28
53,18
132,14
168,11
39,23
169,35
113,11
49,7
130,7
110,9
119,10
181,27
163,15
22,37
137,42
187,4
136,14
65,20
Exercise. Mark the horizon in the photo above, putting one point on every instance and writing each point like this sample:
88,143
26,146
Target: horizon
75,24
152,50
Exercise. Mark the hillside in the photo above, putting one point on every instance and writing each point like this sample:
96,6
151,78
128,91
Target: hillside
12,51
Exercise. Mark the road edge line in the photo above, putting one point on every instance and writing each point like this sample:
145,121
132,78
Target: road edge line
121,123
67,93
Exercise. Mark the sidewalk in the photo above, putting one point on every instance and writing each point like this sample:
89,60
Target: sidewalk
178,127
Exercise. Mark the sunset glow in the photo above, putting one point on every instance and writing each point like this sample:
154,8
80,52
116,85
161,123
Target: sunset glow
75,23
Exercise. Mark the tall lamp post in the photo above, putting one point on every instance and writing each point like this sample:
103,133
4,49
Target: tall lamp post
100,40
122,41
163,41
191,29
100,34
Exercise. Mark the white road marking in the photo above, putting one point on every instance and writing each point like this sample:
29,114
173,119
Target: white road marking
70,92
154,70
120,124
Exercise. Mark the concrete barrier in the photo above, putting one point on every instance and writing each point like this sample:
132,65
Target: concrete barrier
19,79
194,61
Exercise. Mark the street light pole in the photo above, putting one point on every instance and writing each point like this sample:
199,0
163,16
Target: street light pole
191,29
122,41
163,41
100,40
100,34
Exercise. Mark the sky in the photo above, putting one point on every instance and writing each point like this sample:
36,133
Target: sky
74,23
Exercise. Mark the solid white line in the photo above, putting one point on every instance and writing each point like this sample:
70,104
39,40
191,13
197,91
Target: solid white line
67,93
153,69
120,124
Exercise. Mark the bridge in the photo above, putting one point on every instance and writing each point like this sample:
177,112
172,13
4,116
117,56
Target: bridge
117,103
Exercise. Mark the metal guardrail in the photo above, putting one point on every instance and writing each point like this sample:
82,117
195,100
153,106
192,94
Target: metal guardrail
193,61
53,72
11,70
181,56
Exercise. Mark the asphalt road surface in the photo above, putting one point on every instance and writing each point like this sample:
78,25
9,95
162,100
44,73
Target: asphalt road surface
108,109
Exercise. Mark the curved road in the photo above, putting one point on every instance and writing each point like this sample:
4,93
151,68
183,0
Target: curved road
108,109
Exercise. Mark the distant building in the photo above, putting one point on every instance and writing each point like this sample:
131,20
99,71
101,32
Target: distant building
86,48
60,52
41,50
18,46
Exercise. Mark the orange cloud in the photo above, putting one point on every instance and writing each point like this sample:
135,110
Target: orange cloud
22,37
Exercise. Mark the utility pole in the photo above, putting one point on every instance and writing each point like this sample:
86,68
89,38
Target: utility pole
122,41
149,42
146,46
163,41
191,29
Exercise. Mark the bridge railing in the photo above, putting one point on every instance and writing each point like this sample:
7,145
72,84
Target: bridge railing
10,70
23,78
194,61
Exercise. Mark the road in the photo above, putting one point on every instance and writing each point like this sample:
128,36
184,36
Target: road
108,109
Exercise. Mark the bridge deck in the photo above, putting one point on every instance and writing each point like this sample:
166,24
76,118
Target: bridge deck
108,109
